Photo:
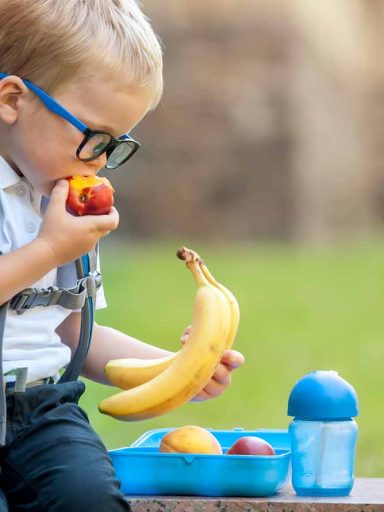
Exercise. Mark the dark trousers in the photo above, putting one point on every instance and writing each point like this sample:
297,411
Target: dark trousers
53,460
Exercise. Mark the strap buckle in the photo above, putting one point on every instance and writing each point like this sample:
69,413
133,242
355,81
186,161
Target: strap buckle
92,283
70,298
31,297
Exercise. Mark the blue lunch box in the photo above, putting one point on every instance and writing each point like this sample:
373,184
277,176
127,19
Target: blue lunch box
142,469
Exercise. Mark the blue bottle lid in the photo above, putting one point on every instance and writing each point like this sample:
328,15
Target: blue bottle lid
323,395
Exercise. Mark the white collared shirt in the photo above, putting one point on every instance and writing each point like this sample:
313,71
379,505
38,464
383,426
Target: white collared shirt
30,339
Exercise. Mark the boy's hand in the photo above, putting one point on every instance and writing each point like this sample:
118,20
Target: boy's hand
69,237
221,379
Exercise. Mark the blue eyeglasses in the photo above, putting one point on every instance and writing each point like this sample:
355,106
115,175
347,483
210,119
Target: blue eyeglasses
95,142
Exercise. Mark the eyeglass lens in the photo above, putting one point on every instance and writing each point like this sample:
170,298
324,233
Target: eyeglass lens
94,146
119,154
97,143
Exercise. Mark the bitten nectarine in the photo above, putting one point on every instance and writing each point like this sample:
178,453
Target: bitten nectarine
89,195
251,445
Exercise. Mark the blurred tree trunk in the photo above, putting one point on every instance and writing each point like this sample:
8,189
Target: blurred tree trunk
334,155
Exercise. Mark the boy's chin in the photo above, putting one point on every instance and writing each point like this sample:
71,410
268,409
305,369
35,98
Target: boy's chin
45,189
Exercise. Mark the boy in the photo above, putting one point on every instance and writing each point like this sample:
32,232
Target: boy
101,61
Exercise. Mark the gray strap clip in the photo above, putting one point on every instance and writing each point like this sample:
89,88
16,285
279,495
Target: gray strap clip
32,297
69,298
92,283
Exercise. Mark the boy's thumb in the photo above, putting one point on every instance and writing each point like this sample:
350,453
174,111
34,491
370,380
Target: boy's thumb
60,192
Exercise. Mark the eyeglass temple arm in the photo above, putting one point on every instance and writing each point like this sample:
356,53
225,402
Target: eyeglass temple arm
56,108
52,105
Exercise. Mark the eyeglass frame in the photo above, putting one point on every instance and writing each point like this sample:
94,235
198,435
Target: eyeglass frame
62,112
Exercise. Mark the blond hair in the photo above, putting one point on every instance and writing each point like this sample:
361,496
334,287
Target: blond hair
50,42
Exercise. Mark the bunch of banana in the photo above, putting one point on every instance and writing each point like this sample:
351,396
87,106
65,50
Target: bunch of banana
153,387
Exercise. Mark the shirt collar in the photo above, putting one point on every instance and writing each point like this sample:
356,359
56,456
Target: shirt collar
8,176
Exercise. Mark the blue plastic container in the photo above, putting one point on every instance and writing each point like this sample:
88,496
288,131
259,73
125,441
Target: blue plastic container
323,434
142,469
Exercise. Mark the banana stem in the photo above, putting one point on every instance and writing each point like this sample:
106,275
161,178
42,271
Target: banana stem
193,261
187,255
208,275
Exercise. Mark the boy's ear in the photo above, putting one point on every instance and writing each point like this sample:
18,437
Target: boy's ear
11,90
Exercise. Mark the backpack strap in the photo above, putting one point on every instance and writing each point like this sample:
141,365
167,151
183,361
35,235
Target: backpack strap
3,404
69,298
86,270
82,295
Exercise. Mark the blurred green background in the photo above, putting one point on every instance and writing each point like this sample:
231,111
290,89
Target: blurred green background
301,309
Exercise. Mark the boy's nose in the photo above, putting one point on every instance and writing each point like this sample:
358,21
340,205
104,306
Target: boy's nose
99,162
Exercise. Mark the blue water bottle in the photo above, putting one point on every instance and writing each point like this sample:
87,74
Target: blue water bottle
323,434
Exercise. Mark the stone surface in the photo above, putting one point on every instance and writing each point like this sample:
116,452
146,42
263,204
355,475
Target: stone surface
367,496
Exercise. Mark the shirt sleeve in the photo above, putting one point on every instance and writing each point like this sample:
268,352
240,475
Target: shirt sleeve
67,277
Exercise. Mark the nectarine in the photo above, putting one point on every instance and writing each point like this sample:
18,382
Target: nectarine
190,439
89,195
251,445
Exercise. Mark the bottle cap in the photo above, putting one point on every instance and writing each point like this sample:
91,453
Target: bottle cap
323,395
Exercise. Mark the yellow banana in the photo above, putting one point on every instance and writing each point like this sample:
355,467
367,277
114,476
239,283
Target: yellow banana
188,373
128,373
233,304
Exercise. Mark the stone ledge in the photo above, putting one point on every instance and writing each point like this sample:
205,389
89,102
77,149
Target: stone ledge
367,496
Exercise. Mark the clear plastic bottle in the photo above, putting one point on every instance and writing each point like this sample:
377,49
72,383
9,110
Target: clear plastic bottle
323,434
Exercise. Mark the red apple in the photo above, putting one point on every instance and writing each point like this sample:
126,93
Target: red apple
250,445
89,195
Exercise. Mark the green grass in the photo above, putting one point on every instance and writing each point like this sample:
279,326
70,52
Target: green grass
300,310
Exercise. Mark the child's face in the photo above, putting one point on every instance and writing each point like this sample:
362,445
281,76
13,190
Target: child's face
42,145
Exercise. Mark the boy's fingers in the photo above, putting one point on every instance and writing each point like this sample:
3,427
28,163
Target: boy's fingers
108,222
214,388
200,397
184,336
222,375
232,359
